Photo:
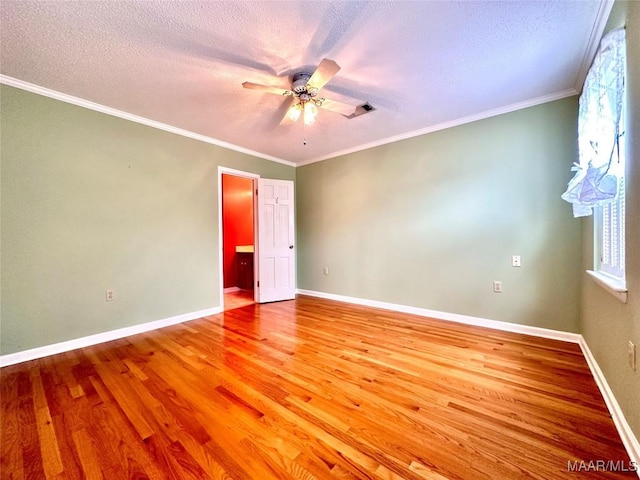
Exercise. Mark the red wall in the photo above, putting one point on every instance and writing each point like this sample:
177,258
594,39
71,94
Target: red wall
237,222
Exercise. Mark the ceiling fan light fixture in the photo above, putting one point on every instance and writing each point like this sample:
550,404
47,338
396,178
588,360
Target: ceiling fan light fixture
294,112
304,93
310,112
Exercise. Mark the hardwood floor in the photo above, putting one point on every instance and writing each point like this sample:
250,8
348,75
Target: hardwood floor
238,299
309,389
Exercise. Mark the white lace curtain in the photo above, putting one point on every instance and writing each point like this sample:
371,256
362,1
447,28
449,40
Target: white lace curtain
599,129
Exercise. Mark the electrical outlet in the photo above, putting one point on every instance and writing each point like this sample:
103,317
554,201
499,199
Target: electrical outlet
325,270
497,286
632,355
110,295
515,261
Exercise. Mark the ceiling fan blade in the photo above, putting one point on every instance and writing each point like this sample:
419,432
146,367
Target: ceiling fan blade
325,72
267,88
338,107
286,120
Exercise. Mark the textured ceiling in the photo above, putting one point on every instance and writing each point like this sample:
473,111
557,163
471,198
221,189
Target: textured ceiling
422,65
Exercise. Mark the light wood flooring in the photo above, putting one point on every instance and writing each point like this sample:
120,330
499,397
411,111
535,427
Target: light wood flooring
308,389
238,299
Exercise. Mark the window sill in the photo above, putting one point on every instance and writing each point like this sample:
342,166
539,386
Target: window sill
612,285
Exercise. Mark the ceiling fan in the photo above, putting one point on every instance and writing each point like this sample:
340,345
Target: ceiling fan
304,94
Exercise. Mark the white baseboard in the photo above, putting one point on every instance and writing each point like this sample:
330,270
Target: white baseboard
452,317
44,351
231,289
627,436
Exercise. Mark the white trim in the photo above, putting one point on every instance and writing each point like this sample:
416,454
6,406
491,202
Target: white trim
599,25
615,287
452,317
46,350
627,436
237,173
453,123
63,97
14,82
230,289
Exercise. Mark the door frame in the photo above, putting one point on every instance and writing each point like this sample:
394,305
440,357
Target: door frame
254,177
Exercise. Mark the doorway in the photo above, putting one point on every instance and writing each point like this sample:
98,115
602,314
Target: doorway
238,220
263,263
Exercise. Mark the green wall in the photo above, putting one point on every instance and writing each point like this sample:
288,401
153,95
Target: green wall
92,202
608,324
431,221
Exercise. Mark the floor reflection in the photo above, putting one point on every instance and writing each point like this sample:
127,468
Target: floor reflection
238,299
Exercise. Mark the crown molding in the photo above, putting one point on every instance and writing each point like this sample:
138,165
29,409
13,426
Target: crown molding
453,123
595,36
63,97
14,82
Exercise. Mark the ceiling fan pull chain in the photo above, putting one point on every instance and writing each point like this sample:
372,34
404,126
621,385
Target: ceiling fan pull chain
304,134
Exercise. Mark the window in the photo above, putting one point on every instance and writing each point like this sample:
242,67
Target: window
609,220
598,185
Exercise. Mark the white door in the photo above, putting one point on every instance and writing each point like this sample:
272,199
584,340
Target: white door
276,249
